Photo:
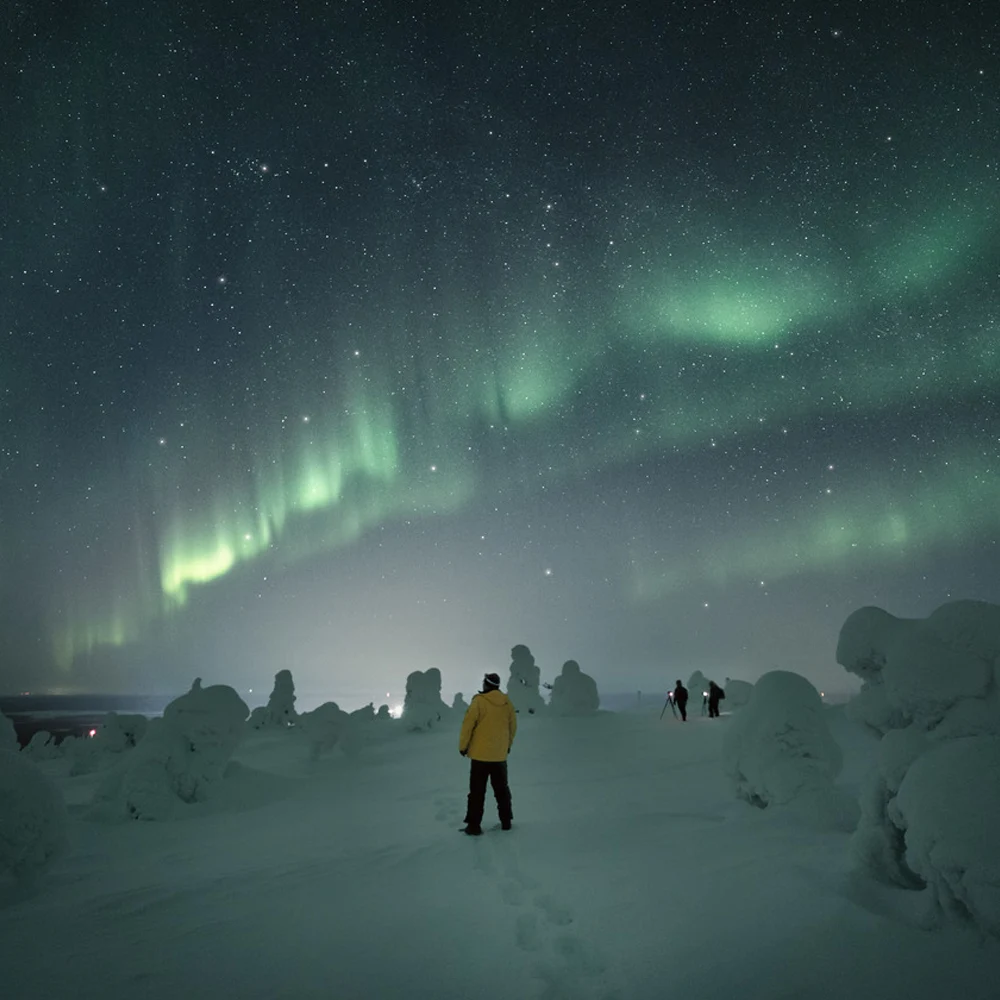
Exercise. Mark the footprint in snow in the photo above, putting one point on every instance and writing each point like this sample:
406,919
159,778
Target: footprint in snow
527,936
512,893
555,912
448,809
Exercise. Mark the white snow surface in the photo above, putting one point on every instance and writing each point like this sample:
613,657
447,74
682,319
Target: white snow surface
631,872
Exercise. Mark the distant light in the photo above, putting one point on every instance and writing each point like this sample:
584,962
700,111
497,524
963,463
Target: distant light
249,690
93,732
396,711
822,694
704,694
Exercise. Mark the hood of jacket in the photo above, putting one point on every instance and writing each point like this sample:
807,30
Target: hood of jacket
494,696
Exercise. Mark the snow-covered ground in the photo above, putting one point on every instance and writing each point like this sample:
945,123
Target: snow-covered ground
632,871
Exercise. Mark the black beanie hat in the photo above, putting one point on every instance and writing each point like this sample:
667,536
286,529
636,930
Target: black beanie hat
491,682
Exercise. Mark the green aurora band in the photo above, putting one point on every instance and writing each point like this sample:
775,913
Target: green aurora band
409,445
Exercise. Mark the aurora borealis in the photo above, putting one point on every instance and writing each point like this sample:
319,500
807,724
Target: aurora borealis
359,338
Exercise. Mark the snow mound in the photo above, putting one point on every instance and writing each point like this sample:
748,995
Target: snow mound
33,817
181,757
422,705
524,681
778,751
574,692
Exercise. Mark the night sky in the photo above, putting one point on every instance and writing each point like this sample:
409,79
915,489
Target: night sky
359,338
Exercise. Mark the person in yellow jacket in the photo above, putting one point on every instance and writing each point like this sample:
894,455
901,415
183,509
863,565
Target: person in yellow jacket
487,735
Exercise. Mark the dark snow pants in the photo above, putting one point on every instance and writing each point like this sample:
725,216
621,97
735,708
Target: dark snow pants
496,772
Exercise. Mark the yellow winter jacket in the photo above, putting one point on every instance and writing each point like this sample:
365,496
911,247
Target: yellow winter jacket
488,727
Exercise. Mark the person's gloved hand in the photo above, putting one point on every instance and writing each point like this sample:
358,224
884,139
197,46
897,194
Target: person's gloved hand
464,753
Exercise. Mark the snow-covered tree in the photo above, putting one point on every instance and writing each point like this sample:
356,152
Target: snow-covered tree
115,735
422,704
183,755
33,818
459,706
8,734
915,670
42,746
778,751
525,678
363,715
697,686
931,687
280,709
737,692
324,727
574,692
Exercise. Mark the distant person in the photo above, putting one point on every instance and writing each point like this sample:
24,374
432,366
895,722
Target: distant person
680,696
715,695
487,735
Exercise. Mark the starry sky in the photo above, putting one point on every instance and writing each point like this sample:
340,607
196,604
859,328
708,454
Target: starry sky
364,337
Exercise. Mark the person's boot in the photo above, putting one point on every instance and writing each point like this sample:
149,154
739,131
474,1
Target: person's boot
505,824
472,831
